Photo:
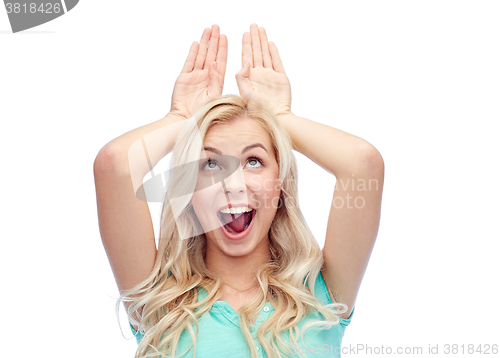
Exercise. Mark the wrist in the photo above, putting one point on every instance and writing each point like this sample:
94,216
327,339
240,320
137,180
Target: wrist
285,115
175,116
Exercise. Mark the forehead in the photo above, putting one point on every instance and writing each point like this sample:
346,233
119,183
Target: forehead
237,133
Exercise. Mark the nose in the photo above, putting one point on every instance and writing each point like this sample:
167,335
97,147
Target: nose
235,183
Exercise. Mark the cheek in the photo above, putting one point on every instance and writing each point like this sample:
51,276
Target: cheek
265,192
204,198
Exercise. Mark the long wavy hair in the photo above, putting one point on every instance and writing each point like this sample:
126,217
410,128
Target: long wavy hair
166,302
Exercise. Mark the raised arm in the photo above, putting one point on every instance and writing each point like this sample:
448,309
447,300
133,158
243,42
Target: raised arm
119,168
357,165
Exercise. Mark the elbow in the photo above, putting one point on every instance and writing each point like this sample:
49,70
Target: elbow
371,162
107,159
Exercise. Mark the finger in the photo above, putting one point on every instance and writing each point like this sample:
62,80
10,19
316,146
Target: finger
202,50
222,55
213,46
257,51
246,52
266,55
189,64
277,64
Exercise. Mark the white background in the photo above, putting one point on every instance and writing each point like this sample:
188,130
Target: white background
418,80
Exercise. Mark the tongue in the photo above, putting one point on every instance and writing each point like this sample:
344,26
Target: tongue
238,222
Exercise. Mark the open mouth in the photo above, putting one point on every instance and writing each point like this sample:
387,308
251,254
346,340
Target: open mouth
236,223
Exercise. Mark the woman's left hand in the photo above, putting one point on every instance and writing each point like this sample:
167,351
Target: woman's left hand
263,76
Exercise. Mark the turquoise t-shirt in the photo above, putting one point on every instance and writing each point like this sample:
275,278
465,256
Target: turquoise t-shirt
220,334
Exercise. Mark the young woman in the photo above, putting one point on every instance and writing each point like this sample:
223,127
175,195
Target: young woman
237,272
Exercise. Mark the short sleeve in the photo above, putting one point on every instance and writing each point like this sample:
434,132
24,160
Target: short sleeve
323,295
138,335
345,321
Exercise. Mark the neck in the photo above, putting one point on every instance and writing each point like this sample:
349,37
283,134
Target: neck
238,272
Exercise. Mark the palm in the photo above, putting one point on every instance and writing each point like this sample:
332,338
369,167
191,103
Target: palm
199,80
263,77
192,90
271,86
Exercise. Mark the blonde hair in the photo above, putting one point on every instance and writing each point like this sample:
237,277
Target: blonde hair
166,302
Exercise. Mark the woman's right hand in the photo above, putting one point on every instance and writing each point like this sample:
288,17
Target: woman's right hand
202,76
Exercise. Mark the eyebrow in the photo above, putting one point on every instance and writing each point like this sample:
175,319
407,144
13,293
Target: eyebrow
215,150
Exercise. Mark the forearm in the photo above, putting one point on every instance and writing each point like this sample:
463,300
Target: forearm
336,151
136,152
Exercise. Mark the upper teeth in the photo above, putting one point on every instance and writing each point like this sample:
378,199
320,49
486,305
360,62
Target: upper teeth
241,209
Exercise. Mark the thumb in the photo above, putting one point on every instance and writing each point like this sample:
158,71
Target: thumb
243,81
244,72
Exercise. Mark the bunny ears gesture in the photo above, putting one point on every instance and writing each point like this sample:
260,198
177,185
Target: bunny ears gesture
202,78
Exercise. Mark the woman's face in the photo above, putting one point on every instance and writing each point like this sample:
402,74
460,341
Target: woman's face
255,183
